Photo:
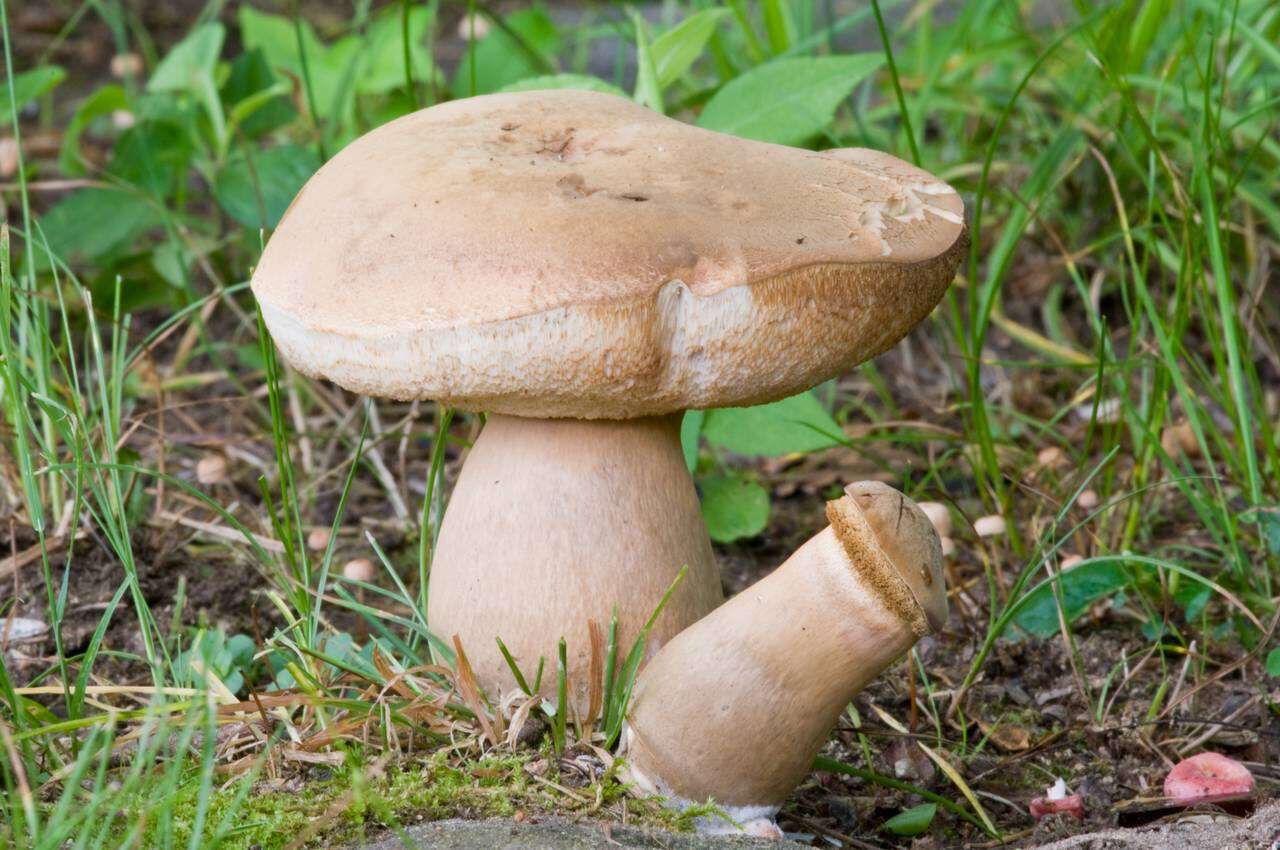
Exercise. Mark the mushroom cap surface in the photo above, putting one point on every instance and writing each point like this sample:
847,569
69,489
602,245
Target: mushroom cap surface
573,254
1207,777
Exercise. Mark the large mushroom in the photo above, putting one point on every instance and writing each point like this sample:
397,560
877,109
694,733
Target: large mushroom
583,270
736,706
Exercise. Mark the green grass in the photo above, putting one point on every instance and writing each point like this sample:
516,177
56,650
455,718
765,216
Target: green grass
1119,304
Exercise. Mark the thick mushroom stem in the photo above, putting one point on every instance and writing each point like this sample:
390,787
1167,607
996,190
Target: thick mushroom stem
551,524
735,708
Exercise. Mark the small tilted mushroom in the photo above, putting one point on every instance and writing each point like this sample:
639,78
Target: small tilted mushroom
735,708
585,270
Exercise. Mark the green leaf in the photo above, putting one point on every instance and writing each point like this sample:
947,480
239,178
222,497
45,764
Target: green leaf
102,102
256,98
256,191
1273,662
733,507
152,156
565,81
1080,587
787,101
500,60
779,24
690,433
648,93
191,61
93,223
327,67
1269,519
383,53
30,85
795,424
679,47
913,821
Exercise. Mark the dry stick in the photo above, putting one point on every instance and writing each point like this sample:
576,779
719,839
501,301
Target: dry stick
374,454
1215,728
158,508
299,422
1230,668
402,448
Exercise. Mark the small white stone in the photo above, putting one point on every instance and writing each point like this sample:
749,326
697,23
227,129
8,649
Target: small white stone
318,539
126,65
1070,561
990,526
211,469
948,547
20,629
939,516
1051,457
8,157
359,569
1088,500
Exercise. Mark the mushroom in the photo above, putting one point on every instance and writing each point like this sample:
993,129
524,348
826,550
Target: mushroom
736,706
1057,800
584,270
1207,778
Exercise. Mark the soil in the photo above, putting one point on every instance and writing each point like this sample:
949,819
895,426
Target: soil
1193,832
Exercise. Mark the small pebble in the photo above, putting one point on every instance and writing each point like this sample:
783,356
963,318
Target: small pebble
8,157
990,526
948,547
1051,457
1180,437
126,65
1108,411
1088,500
318,539
211,469
1069,561
939,516
359,569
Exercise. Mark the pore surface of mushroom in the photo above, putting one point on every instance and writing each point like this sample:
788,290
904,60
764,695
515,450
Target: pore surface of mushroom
736,706
584,269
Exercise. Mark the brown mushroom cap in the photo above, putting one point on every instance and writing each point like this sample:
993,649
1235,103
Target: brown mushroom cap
572,254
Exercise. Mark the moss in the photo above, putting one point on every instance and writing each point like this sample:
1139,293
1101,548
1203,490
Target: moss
349,806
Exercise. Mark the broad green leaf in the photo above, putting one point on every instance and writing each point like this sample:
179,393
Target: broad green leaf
913,821
796,424
690,433
1273,662
1269,519
1080,586
30,85
565,81
152,156
327,68
779,24
787,101
648,93
191,61
679,47
256,98
102,102
383,52
733,507
257,191
92,223
500,60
